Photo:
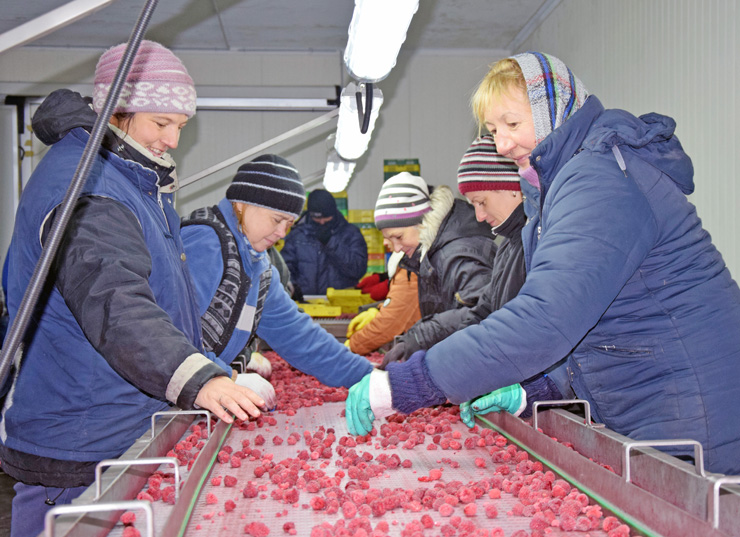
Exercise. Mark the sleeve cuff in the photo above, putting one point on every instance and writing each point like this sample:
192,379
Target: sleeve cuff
189,378
412,386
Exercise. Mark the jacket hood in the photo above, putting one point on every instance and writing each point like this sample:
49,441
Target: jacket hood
64,110
651,136
441,200
449,220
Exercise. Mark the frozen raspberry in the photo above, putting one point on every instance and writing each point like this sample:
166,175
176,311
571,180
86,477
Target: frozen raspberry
491,510
250,491
291,495
349,510
236,461
144,496
446,509
128,518
223,456
257,529
229,481
622,530
427,521
211,499
229,506
318,503
470,509
289,528
610,523
130,531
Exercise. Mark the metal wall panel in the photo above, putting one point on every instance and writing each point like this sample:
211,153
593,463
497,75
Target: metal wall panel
675,57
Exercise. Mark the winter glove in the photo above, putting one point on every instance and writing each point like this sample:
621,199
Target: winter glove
367,400
379,291
361,320
395,354
368,281
324,233
260,365
512,399
346,344
260,386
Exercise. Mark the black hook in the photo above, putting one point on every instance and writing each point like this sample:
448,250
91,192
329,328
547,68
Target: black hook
364,117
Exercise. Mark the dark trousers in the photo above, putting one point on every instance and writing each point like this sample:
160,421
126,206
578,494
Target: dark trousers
30,507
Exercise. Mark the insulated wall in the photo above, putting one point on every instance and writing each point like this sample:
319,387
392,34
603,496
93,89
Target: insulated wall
675,57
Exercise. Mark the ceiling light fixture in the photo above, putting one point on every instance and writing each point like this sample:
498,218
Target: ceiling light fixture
352,142
338,172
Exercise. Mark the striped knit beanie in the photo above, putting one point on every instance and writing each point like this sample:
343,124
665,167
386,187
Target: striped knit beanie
554,91
271,182
484,168
403,201
157,82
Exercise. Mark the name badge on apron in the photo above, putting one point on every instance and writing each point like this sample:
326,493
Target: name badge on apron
246,318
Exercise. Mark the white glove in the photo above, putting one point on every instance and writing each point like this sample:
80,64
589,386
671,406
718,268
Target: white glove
381,401
260,365
260,386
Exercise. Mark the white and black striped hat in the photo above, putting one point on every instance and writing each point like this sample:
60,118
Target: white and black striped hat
403,201
484,168
269,181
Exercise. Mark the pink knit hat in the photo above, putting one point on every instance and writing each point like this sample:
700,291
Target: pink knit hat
157,82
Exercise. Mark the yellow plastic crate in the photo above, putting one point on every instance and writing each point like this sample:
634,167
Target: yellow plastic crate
320,310
349,300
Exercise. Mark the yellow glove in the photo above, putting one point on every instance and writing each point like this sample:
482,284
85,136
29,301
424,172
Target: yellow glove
346,344
360,320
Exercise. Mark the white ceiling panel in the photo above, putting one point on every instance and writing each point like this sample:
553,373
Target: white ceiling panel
279,25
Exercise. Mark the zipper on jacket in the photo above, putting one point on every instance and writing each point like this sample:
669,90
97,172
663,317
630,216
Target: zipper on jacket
161,208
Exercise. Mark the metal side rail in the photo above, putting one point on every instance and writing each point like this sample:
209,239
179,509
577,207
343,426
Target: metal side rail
664,496
123,482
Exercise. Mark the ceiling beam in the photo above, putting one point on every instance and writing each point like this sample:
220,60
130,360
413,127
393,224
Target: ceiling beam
48,23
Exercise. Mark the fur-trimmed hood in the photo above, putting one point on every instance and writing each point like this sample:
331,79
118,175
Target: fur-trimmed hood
442,200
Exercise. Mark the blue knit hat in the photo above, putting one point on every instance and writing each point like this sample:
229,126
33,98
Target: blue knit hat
269,181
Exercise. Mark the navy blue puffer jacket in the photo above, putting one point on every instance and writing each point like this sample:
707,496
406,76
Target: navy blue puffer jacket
314,266
622,276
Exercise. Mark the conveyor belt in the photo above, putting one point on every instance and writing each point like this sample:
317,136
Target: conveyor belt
665,496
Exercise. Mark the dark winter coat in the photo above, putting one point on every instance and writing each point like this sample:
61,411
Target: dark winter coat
455,256
116,334
624,276
315,266
507,277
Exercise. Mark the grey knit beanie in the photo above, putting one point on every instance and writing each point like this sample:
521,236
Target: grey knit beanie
269,181
402,202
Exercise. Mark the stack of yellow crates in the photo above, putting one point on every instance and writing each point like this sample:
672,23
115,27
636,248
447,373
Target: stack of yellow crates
349,300
364,219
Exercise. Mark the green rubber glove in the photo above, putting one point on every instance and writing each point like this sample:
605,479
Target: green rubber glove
358,412
512,399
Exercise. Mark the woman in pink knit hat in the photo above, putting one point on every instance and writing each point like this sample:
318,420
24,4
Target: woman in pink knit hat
116,336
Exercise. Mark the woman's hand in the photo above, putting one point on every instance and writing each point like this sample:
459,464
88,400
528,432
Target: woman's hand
223,397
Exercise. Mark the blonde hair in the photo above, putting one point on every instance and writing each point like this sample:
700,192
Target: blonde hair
503,76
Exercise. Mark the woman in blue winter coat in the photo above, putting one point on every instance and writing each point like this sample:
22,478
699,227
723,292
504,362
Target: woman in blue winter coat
116,335
239,290
622,278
